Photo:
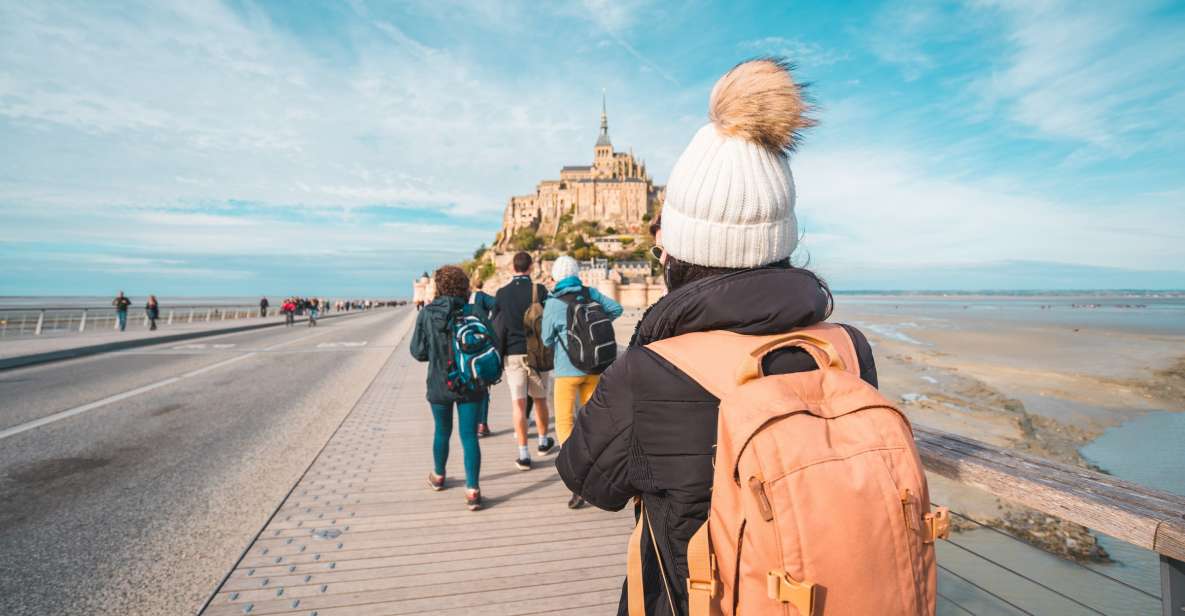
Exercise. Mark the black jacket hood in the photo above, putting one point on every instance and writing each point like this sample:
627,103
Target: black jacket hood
768,300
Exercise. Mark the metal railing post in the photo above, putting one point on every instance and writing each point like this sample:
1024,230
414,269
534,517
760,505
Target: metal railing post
1172,586
145,318
191,315
170,321
82,322
209,313
40,322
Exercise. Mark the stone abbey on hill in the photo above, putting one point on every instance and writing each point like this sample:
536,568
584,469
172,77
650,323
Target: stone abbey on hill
614,190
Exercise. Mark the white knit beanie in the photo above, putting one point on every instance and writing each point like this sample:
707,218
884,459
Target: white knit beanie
564,267
730,197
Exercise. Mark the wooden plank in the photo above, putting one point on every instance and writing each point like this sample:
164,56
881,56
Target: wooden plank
1148,518
361,533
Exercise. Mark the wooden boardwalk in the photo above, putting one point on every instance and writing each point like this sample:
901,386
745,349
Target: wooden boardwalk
361,533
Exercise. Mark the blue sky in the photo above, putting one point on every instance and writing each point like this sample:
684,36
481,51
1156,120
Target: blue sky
241,148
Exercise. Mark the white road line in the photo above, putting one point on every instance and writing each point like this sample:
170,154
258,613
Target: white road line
78,410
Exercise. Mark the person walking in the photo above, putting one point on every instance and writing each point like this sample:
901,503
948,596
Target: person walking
432,342
572,386
525,380
263,304
482,304
724,237
152,310
121,303
314,311
289,310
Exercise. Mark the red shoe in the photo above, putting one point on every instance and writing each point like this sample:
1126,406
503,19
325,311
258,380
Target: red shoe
473,499
436,482
483,430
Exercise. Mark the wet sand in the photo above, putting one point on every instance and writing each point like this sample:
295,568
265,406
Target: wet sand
1044,386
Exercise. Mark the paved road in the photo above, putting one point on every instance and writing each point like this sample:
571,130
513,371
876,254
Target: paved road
141,504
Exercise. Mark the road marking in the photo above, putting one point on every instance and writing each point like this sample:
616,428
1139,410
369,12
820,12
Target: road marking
204,346
78,410
331,345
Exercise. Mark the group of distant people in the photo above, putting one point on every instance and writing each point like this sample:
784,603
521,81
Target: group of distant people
123,302
767,473
534,333
293,307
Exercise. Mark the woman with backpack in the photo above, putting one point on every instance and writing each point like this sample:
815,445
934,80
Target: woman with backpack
572,386
432,342
735,364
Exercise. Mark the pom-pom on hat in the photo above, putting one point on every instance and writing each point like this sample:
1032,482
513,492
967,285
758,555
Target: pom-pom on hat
730,197
564,267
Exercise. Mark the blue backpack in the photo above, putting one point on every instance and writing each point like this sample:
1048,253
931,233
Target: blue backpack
475,363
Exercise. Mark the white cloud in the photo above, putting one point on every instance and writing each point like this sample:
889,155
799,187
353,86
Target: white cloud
863,207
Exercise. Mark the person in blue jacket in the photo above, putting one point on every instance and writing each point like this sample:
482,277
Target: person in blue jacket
571,385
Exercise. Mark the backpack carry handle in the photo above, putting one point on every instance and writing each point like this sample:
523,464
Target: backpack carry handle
822,351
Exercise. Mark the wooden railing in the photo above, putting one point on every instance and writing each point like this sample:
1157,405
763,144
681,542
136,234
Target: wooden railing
1141,516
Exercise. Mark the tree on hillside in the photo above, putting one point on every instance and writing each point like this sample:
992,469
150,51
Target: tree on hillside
526,239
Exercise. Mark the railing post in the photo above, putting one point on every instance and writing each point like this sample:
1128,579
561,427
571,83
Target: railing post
40,322
170,322
1172,586
191,315
145,318
82,322
209,312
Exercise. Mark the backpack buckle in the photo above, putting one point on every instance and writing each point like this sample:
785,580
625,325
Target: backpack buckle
708,586
784,589
937,524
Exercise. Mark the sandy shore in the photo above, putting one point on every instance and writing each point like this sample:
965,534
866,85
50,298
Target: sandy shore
1039,387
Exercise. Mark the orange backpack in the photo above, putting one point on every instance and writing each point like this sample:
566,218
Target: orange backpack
819,501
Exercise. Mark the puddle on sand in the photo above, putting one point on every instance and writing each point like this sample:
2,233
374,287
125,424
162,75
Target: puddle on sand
1148,450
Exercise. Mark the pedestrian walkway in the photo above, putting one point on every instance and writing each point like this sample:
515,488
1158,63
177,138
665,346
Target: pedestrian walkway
361,534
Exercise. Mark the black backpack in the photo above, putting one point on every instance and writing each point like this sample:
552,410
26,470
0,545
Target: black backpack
589,340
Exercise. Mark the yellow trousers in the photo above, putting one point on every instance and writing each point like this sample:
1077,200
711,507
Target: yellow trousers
566,389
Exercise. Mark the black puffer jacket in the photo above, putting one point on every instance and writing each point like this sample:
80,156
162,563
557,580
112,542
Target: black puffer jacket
432,342
650,430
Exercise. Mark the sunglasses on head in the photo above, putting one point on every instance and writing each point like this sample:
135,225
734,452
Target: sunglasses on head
656,252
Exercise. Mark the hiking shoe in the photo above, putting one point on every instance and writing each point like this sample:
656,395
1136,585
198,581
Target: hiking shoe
483,430
436,482
547,445
473,499
523,464
575,502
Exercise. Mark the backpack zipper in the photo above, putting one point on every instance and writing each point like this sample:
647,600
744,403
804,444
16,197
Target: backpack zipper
757,486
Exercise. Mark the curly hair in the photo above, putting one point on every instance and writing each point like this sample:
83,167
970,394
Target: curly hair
451,280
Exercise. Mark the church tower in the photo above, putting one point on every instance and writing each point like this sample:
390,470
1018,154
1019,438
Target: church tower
603,152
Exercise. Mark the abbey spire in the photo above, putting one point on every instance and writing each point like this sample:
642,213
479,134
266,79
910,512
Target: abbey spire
603,138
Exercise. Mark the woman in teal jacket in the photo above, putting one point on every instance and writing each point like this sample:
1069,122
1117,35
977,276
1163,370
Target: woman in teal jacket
571,385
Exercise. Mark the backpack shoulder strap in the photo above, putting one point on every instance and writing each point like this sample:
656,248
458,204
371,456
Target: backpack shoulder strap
721,361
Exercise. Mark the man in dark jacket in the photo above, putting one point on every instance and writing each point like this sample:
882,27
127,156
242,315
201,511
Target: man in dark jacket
728,230
511,303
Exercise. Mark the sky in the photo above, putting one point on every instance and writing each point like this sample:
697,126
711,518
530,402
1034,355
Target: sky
241,148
